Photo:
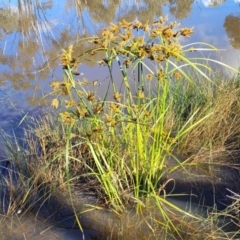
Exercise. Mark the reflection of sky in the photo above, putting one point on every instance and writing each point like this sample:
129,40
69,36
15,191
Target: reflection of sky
207,21
208,26
203,18
209,3
214,3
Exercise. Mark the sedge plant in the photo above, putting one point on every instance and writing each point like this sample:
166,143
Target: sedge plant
127,135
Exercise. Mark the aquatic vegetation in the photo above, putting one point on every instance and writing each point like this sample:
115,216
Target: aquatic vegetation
120,132
117,147
129,137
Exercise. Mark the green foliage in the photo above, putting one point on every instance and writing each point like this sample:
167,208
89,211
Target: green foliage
129,137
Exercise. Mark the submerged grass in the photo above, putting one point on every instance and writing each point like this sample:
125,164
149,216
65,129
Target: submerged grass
116,148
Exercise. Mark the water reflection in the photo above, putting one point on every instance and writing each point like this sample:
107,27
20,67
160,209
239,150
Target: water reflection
231,25
30,37
212,3
181,9
32,33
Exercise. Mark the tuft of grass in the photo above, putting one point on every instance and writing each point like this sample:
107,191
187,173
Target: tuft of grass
116,148
132,131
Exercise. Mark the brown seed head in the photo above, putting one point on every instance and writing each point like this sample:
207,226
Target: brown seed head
137,25
117,96
177,75
91,96
125,24
186,32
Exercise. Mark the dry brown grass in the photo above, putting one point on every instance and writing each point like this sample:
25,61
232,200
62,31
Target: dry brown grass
221,130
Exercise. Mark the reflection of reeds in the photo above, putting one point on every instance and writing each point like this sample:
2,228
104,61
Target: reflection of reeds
32,30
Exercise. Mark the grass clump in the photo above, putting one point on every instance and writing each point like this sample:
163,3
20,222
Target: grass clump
129,130
116,147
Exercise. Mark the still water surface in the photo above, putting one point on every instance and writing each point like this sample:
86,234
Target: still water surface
33,32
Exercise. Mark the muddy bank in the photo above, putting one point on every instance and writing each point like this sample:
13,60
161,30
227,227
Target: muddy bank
205,179
204,189
103,223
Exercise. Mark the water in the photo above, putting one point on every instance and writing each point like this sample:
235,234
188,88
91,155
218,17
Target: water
33,32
